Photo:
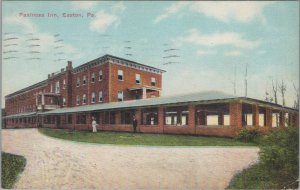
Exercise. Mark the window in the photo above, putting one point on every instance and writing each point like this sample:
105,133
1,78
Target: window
64,101
261,121
275,119
212,120
84,80
150,116
226,120
69,119
176,116
127,117
78,100
109,117
120,75
120,96
84,99
137,78
78,82
81,119
57,87
93,78
100,96
100,75
93,97
64,84
51,88
153,81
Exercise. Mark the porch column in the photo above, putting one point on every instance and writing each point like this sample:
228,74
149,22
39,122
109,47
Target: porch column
138,116
43,99
269,118
191,120
74,118
281,119
235,110
255,114
161,119
220,119
144,93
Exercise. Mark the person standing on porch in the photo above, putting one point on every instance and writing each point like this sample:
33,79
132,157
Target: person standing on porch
94,125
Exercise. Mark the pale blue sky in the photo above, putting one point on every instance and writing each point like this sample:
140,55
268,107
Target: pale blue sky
211,37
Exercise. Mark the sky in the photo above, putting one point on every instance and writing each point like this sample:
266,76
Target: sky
203,46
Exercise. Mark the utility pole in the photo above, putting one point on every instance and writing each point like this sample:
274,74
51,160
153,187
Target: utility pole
246,80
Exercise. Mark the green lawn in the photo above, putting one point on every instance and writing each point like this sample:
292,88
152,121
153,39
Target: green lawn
121,138
12,165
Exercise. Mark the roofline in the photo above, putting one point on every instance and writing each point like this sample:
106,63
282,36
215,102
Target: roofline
36,85
119,58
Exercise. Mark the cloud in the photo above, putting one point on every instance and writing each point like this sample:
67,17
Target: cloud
26,24
103,21
170,11
118,8
84,5
205,52
219,39
240,11
232,53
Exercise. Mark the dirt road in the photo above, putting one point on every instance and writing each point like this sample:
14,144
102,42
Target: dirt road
59,164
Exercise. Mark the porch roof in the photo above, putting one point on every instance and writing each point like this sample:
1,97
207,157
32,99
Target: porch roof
25,114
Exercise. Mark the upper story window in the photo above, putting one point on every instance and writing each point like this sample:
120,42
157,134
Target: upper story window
93,97
64,101
120,75
84,99
78,82
120,96
84,80
57,89
64,84
137,78
78,100
93,78
100,75
51,88
100,96
153,81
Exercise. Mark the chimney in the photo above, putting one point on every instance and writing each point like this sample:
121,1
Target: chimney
62,70
69,67
52,74
48,76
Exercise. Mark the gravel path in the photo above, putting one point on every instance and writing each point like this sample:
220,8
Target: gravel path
60,164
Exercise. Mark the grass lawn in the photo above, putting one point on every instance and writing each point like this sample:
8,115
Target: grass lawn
259,177
12,165
121,138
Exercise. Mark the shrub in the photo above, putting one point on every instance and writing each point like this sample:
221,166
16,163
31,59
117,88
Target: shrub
280,149
248,135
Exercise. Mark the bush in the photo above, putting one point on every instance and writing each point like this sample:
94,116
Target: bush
12,165
280,150
278,164
246,135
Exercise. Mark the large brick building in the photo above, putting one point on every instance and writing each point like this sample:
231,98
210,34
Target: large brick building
113,89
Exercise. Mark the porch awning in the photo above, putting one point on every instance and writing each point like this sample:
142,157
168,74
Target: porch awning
26,114
138,87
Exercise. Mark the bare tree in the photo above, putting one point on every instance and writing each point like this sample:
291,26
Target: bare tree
282,88
296,102
275,90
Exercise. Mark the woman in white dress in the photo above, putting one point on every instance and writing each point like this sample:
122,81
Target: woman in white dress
94,125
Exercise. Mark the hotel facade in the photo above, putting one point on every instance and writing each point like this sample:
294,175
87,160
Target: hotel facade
113,90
